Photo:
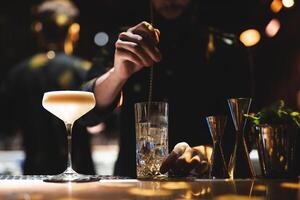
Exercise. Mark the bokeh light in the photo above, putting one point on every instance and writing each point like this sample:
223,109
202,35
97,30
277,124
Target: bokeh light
250,37
276,6
61,19
272,28
288,3
50,54
101,39
74,28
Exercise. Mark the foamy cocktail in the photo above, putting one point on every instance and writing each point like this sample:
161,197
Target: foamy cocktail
69,106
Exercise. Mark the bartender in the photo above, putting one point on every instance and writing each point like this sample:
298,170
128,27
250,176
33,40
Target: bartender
195,69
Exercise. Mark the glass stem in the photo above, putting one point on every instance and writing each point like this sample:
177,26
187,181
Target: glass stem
69,136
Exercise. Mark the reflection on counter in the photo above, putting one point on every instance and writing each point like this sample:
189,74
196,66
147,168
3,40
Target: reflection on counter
219,189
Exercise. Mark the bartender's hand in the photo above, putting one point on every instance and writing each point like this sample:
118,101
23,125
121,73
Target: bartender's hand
136,48
185,160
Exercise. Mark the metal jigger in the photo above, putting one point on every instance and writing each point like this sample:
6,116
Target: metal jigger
240,165
216,125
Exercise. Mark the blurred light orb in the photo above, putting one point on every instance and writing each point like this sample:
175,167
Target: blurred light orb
61,19
250,37
74,28
288,3
38,26
276,6
272,28
50,54
101,39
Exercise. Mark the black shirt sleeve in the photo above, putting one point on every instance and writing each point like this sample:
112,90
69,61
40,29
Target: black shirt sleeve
96,115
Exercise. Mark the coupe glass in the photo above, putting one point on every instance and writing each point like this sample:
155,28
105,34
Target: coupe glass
69,106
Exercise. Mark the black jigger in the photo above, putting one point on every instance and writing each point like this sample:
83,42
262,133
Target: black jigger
216,125
240,165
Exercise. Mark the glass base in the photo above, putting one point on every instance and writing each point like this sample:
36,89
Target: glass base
71,177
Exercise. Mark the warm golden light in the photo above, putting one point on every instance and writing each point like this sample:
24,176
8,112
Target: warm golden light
276,6
38,61
65,79
61,19
37,197
272,28
250,37
175,185
74,28
87,65
188,195
290,185
288,3
237,197
149,192
261,188
68,198
120,103
73,36
68,47
211,44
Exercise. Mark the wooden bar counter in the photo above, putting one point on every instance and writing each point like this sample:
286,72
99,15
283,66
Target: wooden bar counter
111,188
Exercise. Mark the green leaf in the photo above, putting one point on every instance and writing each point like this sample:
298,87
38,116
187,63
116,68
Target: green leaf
294,114
276,113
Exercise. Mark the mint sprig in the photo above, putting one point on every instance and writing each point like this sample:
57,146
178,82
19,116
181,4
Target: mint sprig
276,113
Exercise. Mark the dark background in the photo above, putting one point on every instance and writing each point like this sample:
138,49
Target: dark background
270,57
17,42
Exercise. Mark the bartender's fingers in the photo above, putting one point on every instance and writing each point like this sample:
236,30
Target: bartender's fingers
150,36
192,159
199,164
195,161
133,43
129,56
157,34
170,161
147,30
141,41
180,147
136,50
204,151
201,159
183,163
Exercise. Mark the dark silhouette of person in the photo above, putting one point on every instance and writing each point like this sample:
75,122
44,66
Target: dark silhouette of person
52,68
196,69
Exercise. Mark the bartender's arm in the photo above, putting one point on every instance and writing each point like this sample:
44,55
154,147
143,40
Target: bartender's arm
136,48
